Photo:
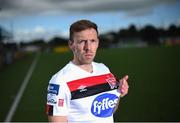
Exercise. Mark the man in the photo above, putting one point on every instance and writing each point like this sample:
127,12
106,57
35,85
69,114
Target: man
84,91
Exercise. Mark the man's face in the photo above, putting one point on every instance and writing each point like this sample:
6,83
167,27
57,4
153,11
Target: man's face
84,46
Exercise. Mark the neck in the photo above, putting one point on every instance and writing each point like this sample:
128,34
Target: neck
87,67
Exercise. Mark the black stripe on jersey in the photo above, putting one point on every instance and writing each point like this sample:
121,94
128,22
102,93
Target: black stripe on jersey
89,91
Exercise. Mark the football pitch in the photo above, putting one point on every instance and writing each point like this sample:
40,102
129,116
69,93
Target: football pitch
154,80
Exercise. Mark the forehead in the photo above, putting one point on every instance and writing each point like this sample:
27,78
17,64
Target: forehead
86,34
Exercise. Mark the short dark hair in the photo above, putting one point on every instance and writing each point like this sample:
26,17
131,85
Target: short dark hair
81,25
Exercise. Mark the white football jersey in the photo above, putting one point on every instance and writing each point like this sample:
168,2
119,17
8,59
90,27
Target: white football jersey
83,96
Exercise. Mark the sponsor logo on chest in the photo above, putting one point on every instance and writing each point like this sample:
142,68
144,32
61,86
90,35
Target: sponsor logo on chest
103,105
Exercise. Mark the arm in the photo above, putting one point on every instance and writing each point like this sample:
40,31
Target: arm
56,107
123,89
60,119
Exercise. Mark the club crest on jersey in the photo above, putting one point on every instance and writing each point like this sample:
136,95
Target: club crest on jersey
112,82
103,105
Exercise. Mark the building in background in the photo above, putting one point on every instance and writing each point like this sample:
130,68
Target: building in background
7,48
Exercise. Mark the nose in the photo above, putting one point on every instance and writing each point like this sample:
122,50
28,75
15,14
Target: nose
87,45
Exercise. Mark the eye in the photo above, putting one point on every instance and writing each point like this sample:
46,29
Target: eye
82,41
93,41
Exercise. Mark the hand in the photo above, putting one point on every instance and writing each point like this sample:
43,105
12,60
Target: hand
123,86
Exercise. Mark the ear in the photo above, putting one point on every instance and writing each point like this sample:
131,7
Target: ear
71,46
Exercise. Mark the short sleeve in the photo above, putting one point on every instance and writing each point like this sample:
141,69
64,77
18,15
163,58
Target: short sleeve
57,98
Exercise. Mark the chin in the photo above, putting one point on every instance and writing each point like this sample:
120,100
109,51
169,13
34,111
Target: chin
87,61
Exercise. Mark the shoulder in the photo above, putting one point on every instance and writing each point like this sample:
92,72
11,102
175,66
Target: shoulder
61,76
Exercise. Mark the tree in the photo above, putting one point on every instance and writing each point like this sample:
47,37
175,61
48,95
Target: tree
150,34
132,31
173,31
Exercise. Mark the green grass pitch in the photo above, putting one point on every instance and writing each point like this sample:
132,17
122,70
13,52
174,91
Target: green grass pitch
154,80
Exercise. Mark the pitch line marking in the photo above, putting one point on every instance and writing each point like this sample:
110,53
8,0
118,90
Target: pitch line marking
21,90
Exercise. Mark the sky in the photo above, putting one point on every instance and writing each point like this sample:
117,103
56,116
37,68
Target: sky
36,19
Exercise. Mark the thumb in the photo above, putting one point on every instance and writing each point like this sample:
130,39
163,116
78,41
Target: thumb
125,77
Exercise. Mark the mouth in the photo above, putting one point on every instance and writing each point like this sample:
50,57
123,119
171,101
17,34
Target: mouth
88,55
